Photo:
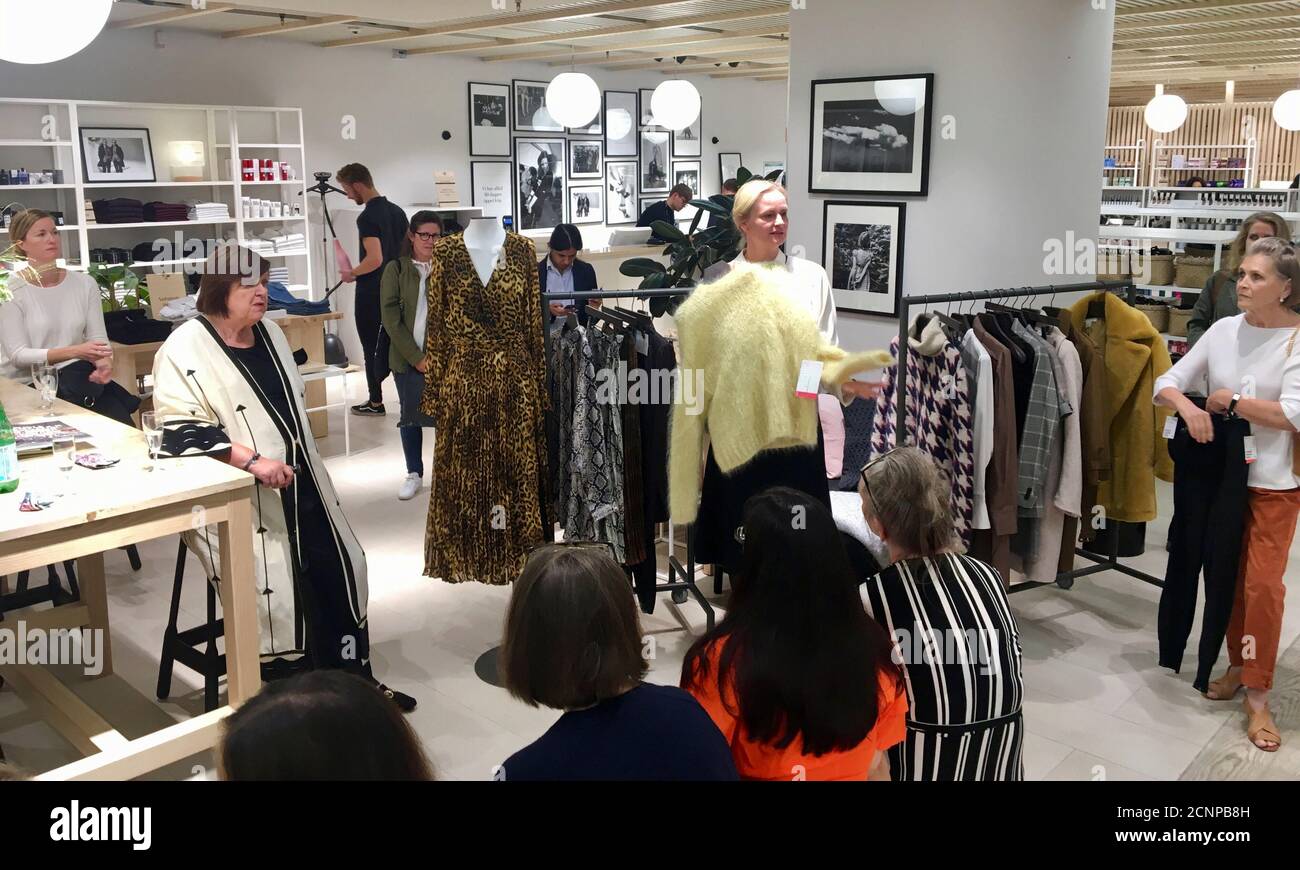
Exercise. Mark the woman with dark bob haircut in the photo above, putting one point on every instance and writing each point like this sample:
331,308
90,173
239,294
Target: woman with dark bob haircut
797,676
320,726
573,643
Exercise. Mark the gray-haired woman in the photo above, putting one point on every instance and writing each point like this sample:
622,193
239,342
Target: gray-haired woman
952,626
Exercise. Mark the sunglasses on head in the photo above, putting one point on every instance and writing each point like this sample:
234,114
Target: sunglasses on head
862,475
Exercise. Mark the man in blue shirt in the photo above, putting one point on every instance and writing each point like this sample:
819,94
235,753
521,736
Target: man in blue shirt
666,211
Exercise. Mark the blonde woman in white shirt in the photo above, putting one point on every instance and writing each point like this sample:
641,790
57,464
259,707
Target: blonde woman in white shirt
761,214
54,317
1254,373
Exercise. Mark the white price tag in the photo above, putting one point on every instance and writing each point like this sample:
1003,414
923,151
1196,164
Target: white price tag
1171,426
1251,453
810,379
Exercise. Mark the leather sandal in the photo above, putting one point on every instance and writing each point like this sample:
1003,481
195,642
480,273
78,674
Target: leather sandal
1260,726
1225,688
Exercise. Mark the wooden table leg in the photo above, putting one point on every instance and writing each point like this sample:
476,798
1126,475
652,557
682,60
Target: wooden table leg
239,600
94,594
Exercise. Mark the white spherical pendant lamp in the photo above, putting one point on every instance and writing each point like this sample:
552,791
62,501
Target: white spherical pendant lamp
618,123
573,99
1286,110
901,97
675,104
1166,112
42,31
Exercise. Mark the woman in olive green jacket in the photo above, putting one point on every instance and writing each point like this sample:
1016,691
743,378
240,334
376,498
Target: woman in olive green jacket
404,307
1219,298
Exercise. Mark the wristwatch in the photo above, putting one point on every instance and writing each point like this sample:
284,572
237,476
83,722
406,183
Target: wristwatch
1232,406
249,464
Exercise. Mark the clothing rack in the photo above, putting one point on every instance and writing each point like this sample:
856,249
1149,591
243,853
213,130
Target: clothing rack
680,580
1065,579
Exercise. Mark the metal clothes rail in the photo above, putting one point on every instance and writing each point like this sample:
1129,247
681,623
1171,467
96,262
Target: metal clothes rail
1065,579
680,580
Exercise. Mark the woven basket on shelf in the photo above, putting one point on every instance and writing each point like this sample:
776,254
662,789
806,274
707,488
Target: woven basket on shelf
1178,318
1192,272
1116,265
1162,269
1158,314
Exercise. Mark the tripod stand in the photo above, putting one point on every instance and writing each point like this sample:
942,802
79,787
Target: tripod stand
324,188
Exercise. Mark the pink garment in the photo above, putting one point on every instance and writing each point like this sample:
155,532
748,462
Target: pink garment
832,414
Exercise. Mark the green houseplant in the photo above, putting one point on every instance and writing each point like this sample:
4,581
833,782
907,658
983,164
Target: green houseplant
108,276
689,253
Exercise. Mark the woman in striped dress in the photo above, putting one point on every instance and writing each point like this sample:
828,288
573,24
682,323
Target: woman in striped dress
952,626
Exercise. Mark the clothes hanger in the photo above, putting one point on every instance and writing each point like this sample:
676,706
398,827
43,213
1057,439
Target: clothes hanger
952,327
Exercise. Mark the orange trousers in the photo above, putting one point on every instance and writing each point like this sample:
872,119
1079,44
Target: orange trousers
1256,624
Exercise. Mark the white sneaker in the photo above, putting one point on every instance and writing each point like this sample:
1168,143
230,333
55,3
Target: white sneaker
413,484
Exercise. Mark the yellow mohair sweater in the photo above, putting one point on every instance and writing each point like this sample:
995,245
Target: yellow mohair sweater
748,340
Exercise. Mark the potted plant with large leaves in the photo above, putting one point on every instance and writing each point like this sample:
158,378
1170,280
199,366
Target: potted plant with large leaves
689,253
108,276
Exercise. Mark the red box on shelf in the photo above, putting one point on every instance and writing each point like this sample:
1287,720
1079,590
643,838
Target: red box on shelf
248,169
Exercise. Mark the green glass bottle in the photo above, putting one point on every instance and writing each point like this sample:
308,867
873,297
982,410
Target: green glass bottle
8,455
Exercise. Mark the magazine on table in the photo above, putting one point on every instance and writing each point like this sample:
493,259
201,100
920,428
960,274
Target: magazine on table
34,437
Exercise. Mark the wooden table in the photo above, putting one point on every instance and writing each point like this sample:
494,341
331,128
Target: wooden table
104,510
303,331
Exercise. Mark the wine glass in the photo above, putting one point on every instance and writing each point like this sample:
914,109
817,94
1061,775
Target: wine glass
152,427
46,379
65,456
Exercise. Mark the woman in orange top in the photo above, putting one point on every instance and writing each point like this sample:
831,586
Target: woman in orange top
797,677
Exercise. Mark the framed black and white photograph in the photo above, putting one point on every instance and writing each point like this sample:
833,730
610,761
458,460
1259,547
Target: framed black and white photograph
492,186
729,163
586,204
621,131
489,120
621,192
646,202
686,142
539,183
687,172
530,108
656,155
862,252
871,135
595,128
585,158
111,155
647,114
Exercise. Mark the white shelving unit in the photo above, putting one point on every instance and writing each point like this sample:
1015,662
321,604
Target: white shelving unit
1163,172
1130,161
222,129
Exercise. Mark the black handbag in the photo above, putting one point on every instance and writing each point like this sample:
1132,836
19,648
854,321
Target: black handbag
110,399
134,326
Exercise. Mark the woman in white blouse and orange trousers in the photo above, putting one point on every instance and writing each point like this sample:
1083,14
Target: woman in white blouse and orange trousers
1253,365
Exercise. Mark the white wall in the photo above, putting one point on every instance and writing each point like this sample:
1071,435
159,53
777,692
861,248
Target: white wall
1027,83
401,106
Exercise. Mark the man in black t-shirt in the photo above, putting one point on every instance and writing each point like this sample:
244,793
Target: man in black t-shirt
381,227
666,211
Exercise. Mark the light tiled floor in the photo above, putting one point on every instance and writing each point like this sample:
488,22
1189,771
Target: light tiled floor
1097,706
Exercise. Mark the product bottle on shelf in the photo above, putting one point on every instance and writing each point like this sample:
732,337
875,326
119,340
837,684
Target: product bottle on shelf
8,455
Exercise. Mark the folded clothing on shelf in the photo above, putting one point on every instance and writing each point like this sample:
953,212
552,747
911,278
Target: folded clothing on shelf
199,211
279,275
118,211
181,308
166,211
110,255
279,297
193,249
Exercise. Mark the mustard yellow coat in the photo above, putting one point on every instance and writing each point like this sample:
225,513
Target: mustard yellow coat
1134,355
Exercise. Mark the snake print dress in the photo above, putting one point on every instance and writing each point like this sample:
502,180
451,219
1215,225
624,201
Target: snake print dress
486,388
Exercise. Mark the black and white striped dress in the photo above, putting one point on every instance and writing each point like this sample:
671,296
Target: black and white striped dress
957,641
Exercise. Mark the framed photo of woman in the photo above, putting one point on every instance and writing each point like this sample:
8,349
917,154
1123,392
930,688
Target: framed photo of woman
656,156
539,183
862,252
530,108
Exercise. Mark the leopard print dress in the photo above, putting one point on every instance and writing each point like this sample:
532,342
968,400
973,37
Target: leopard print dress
486,387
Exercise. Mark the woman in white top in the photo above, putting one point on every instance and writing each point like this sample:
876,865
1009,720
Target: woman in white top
54,317
1254,373
761,214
